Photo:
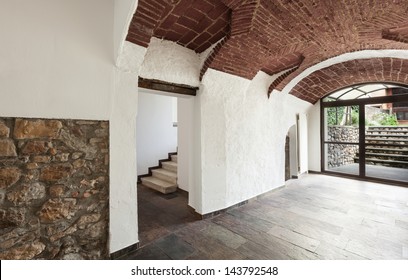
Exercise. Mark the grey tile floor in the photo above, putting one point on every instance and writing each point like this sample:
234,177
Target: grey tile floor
315,217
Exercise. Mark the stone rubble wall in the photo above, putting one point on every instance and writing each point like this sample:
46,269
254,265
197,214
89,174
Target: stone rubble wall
339,154
54,189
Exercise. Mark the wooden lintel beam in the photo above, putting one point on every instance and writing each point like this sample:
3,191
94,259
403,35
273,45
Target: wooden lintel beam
167,87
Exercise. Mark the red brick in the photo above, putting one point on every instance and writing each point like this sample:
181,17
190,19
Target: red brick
259,30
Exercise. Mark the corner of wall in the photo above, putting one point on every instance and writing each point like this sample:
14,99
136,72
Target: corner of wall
123,168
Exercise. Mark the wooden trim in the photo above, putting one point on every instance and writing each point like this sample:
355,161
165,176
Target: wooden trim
125,251
167,87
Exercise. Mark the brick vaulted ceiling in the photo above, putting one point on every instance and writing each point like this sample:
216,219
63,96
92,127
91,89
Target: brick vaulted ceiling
275,35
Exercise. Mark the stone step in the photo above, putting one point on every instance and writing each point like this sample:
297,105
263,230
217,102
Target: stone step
170,165
165,175
386,140
386,135
386,145
397,157
387,150
384,162
174,158
159,185
403,131
389,128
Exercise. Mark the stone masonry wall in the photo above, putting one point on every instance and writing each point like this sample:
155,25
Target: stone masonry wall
54,189
339,154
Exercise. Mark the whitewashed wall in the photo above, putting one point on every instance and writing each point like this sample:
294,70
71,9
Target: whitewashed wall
242,138
170,62
123,168
314,138
124,10
156,136
185,171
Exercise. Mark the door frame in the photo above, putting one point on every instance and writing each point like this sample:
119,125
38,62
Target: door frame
361,144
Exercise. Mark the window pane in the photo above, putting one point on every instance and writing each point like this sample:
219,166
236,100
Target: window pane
342,158
341,124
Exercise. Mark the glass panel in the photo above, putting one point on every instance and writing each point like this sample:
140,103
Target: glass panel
342,158
366,91
387,141
341,124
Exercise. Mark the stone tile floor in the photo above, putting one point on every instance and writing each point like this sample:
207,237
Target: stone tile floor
315,217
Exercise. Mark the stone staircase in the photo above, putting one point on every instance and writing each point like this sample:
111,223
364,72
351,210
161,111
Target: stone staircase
164,177
386,146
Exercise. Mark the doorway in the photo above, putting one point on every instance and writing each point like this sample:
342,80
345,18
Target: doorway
364,133
164,143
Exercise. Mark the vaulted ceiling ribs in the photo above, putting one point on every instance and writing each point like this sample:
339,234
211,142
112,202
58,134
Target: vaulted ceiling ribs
272,36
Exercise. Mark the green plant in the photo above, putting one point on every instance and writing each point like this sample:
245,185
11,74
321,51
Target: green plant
389,120
383,119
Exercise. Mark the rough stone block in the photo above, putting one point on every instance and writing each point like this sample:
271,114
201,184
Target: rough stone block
57,209
55,172
36,148
96,230
7,148
42,159
4,130
57,190
30,129
24,252
9,176
11,217
62,234
26,193
86,220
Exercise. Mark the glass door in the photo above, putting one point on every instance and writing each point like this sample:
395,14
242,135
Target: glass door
341,139
364,132
386,141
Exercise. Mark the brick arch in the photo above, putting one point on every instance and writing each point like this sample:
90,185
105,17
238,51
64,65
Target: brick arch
340,75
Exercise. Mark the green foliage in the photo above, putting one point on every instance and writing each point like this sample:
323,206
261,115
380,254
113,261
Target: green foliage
354,117
335,115
383,119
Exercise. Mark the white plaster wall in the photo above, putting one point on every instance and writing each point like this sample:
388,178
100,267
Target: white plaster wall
124,10
314,137
156,136
56,59
195,198
242,137
123,168
185,142
170,62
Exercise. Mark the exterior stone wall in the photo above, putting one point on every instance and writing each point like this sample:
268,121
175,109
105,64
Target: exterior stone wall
54,189
339,154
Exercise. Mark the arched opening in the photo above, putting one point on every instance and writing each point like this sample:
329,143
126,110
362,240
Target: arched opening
364,132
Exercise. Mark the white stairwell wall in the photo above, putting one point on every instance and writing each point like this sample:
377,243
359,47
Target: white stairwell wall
156,136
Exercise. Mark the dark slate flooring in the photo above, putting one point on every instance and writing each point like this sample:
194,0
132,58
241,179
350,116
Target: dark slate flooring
315,217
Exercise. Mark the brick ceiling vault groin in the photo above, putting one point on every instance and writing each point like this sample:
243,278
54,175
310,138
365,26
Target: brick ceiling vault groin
273,36
341,75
